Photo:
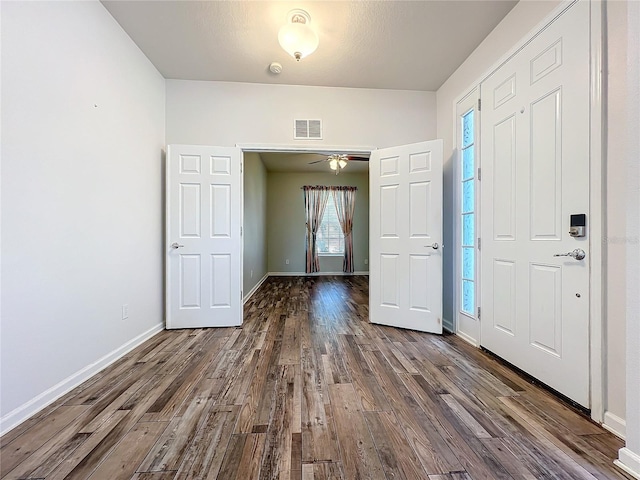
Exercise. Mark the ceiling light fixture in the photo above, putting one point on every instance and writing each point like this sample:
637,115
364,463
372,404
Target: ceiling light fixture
337,162
297,38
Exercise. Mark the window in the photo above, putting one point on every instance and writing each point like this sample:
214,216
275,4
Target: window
467,189
330,240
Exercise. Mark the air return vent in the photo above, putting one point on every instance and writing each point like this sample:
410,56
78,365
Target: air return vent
307,129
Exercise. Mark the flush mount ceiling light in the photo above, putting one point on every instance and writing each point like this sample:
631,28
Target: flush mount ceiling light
297,38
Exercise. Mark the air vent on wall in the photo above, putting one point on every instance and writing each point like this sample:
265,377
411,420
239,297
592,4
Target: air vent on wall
307,129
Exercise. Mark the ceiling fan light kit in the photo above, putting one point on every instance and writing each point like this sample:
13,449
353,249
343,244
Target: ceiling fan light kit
297,38
337,162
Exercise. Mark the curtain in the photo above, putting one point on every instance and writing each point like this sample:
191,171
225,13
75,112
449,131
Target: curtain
315,201
345,200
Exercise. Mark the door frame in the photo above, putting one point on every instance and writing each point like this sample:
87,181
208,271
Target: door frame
293,148
597,200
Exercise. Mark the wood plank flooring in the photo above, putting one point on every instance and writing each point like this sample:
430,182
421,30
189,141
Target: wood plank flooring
308,389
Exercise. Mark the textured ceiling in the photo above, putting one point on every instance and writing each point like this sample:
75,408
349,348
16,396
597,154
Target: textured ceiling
406,45
299,163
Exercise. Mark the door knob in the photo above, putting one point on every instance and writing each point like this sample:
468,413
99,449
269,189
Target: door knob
577,254
176,245
435,246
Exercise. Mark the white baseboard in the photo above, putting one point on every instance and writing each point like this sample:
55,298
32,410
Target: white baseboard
615,424
254,289
448,325
629,462
33,406
467,338
317,274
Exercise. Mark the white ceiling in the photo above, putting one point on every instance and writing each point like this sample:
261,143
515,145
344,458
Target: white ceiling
406,45
299,162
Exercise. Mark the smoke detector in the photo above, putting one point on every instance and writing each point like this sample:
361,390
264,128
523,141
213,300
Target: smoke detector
275,68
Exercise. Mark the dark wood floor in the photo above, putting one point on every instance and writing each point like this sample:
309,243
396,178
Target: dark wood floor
307,389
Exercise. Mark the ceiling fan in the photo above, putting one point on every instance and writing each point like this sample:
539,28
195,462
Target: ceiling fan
337,161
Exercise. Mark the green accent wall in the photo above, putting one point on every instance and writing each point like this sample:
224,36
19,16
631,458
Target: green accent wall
286,220
254,266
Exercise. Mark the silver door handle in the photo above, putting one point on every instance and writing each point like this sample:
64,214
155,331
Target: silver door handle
435,246
578,254
176,245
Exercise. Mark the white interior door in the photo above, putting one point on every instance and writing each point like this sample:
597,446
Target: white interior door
405,277
535,175
203,242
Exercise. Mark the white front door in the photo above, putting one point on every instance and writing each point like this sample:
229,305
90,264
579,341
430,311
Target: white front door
405,277
535,175
203,241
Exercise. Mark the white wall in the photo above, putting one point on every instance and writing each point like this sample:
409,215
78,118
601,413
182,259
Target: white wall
224,114
254,261
630,455
616,223
518,22
82,140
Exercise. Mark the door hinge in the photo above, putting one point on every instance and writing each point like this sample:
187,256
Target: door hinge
479,173
241,295
479,243
241,167
240,231
479,104
478,313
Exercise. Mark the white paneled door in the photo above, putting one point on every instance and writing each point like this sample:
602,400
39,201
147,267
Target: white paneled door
203,241
405,277
535,175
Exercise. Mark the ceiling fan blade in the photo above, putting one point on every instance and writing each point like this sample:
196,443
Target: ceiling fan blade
318,161
358,159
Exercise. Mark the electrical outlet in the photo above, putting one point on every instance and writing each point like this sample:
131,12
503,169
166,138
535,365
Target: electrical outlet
287,261
251,273
366,261
125,311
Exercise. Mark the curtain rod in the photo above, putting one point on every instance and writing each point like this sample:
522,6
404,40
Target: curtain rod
328,187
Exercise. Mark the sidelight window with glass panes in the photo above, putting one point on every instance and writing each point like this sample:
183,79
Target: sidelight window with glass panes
467,179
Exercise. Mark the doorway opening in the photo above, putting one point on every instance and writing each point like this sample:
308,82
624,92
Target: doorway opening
274,214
